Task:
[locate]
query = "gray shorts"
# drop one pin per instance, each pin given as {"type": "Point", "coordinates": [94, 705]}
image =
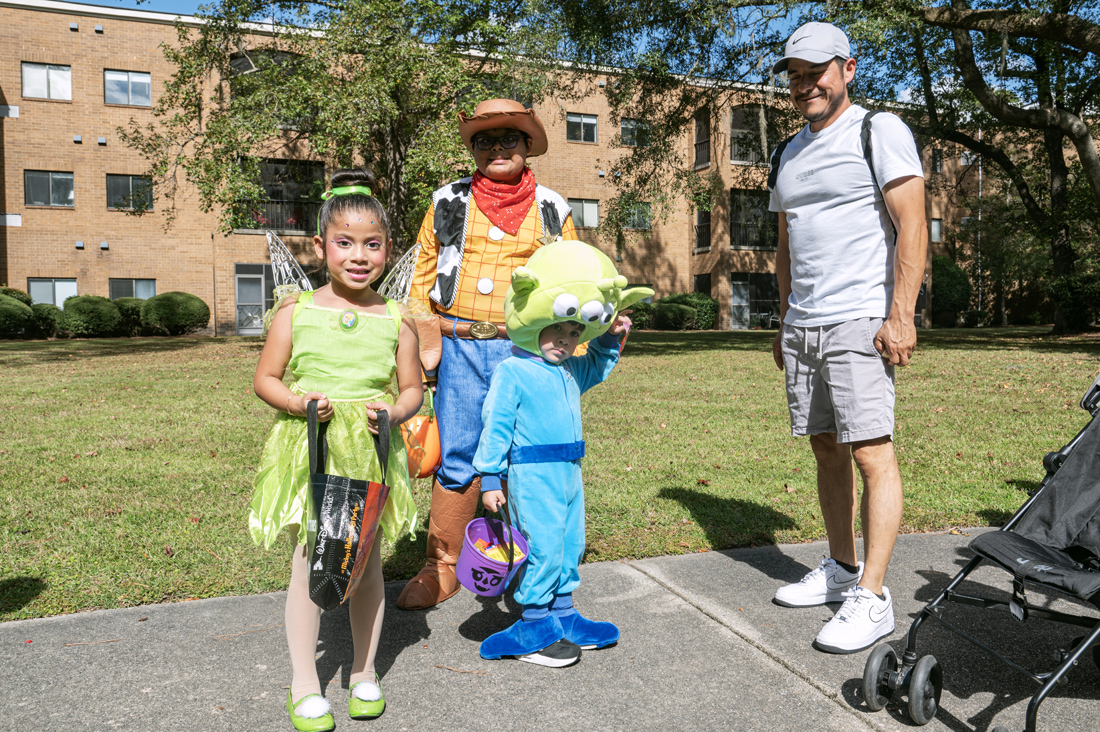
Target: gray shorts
{"type": "Point", "coordinates": [837, 381]}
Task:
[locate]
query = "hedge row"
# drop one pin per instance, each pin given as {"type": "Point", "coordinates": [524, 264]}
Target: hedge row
{"type": "Point", "coordinates": [92, 316]}
{"type": "Point", "coordinates": [686, 311]}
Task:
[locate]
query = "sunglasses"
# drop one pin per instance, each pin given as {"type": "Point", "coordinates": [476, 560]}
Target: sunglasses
{"type": "Point", "coordinates": [487, 142]}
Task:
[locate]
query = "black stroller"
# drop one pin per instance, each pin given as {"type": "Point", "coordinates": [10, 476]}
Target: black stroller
{"type": "Point", "coordinates": [1052, 542]}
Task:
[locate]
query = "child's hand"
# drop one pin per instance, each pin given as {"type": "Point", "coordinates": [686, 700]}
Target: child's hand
{"type": "Point", "coordinates": [325, 409]}
{"type": "Point", "coordinates": [493, 500]}
{"type": "Point", "coordinates": [621, 324]}
{"type": "Point", "coordinates": [372, 415]}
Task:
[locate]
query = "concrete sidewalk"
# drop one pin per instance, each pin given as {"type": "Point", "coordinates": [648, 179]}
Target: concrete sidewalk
{"type": "Point", "coordinates": [703, 648]}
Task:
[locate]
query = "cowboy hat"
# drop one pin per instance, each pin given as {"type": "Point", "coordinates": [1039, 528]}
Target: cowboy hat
{"type": "Point", "coordinates": [503, 114]}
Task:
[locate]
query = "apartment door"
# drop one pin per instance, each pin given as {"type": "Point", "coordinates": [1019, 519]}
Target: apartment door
{"type": "Point", "coordinates": [739, 301]}
{"type": "Point", "coordinates": [255, 296]}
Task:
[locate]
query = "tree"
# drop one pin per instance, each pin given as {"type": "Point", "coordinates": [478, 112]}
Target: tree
{"type": "Point", "coordinates": [1014, 82]}
{"type": "Point", "coordinates": [357, 82]}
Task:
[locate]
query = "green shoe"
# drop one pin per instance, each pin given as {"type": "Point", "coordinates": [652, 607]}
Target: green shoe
{"type": "Point", "coordinates": [322, 723]}
{"type": "Point", "coordinates": [366, 708]}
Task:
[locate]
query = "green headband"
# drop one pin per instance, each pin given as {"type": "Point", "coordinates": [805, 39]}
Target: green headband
{"type": "Point", "coordinates": [341, 191]}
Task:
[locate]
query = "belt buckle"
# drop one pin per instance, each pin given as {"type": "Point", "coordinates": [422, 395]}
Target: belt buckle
{"type": "Point", "coordinates": [484, 330]}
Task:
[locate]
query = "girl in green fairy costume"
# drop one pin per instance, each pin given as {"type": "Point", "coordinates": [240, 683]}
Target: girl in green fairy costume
{"type": "Point", "coordinates": [343, 344]}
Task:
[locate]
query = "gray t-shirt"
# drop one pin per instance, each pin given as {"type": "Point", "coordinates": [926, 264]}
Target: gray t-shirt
{"type": "Point", "coordinates": [841, 238]}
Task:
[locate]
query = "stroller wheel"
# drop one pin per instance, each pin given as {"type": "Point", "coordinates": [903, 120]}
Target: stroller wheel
{"type": "Point", "coordinates": [925, 685]}
{"type": "Point", "coordinates": [876, 690]}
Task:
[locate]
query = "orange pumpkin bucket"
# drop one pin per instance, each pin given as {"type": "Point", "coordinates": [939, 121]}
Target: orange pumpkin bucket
{"type": "Point", "coordinates": [421, 435]}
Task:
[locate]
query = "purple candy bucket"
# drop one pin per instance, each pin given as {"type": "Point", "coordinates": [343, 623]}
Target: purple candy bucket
{"type": "Point", "coordinates": [478, 573]}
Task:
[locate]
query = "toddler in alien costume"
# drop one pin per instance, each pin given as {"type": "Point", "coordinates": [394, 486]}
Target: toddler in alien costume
{"type": "Point", "coordinates": [567, 293]}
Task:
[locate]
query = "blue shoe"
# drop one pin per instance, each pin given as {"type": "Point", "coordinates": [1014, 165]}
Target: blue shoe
{"type": "Point", "coordinates": [524, 637]}
{"type": "Point", "coordinates": [588, 634]}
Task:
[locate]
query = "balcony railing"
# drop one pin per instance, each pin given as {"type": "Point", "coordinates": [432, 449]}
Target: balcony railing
{"type": "Point", "coordinates": [702, 236]}
{"type": "Point", "coordinates": [753, 236]}
{"type": "Point", "coordinates": [702, 153]}
{"type": "Point", "coordinates": [280, 215]}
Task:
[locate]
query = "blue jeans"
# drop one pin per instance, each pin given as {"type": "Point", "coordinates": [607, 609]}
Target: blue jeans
{"type": "Point", "coordinates": [462, 382]}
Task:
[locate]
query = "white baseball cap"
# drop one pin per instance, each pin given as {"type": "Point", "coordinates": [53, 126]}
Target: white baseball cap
{"type": "Point", "coordinates": [816, 43]}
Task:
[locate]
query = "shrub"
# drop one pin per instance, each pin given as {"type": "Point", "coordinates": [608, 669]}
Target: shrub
{"type": "Point", "coordinates": [1078, 299]}
{"type": "Point", "coordinates": [174, 313]}
{"type": "Point", "coordinates": [673, 316]}
{"type": "Point", "coordinates": [90, 316]}
{"type": "Point", "coordinates": [130, 310]}
{"type": "Point", "coordinates": [706, 308]}
{"type": "Point", "coordinates": [950, 286]}
{"type": "Point", "coordinates": [641, 315]}
{"type": "Point", "coordinates": [17, 294]}
{"type": "Point", "coordinates": [15, 316]}
{"type": "Point", "coordinates": [44, 321]}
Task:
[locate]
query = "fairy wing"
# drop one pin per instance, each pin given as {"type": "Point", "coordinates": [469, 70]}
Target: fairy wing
{"type": "Point", "coordinates": [398, 282]}
{"type": "Point", "coordinates": [290, 279]}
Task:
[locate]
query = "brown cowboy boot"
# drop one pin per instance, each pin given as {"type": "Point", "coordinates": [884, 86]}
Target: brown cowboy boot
{"type": "Point", "coordinates": [450, 512]}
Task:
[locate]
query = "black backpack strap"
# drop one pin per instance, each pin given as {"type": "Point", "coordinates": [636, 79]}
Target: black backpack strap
{"type": "Point", "coordinates": [865, 139]}
{"type": "Point", "coordinates": [777, 154]}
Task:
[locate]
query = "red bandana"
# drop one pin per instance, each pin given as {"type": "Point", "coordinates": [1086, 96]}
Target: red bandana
{"type": "Point", "coordinates": [506, 204]}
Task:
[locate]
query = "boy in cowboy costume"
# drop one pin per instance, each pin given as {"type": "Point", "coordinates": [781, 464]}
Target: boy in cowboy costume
{"type": "Point", "coordinates": [476, 232]}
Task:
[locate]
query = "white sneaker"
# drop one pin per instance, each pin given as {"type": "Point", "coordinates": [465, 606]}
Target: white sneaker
{"type": "Point", "coordinates": [862, 620]}
{"type": "Point", "coordinates": [828, 583]}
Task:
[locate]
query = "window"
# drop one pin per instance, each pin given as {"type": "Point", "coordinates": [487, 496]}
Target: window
{"type": "Point", "coordinates": [752, 225]}
{"type": "Point", "coordinates": [134, 88]}
{"type": "Point", "coordinates": [586, 212]}
{"type": "Point", "coordinates": [936, 230]}
{"type": "Point", "coordinates": [967, 157]}
{"type": "Point", "coordinates": [702, 230]}
{"type": "Point", "coordinates": [47, 81]}
{"type": "Point", "coordinates": [51, 290]}
{"type": "Point", "coordinates": [129, 192]}
{"type": "Point", "coordinates": [46, 188]}
{"type": "Point", "coordinates": [292, 191]}
{"type": "Point", "coordinates": [702, 138]}
{"type": "Point", "coordinates": [580, 127]}
{"type": "Point", "coordinates": [937, 160]}
{"type": "Point", "coordinates": [702, 283]}
{"type": "Point", "coordinates": [964, 222]}
{"type": "Point", "coordinates": [142, 289]}
{"type": "Point", "coordinates": [754, 300]}
{"type": "Point", "coordinates": [750, 142]}
{"type": "Point", "coordinates": [635, 133]}
{"type": "Point", "coordinates": [638, 217]}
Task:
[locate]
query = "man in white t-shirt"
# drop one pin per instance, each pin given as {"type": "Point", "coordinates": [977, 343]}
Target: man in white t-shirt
{"type": "Point", "coordinates": [851, 256]}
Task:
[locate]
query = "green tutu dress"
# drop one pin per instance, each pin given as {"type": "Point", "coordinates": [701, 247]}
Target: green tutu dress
{"type": "Point", "coordinates": [348, 356]}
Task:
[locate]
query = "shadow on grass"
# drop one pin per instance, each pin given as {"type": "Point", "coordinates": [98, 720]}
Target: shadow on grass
{"type": "Point", "coordinates": [16, 592]}
{"type": "Point", "coordinates": [33, 352]}
{"type": "Point", "coordinates": [732, 523]}
{"type": "Point", "coordinates": [1023, 338]}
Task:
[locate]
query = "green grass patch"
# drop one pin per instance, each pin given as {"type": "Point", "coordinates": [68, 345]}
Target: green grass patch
{"type": "Point", "coordinates": [126, 465]}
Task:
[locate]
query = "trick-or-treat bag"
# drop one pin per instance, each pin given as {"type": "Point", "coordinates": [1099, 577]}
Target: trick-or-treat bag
{"type": "Point", "coordinates": [343, 516]}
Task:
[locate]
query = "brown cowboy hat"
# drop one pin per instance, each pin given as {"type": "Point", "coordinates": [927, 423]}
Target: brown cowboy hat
{"type": "Point", "coordinates": [503, 113]}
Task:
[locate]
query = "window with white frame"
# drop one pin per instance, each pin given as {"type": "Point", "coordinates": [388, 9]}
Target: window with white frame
{"type": "Point", "coordinates": [129, 192]}
{"type": "Point", "coordinates": [126, 287]}
{"type": "Point", "coordinates": [47, 81]}
{"type": "Point", "coordinates": [580, 127]}
{"type": "Point", "coordinates": [635, 133]}
{"type": "Point", "coordinates": [752, 225]}
{"type": "Point", "coordinates": [702, 138]}
{"type": "Point", "coordinates": [751, 137]}
{"type": "Point", "coordinates": [935, 233]}
{"type": "Point", "coordinates": [51, 290]}
{"type": "Point", "coordinates": [638, 217]}
{"type": "Point", "coordinates": [702, 230]}
{"type": "Point", "coordinates": [586, 212]}
{"type": "Point", "coordinates": [968, 157]}
{"type": "Point", "coordinates": [133, 88]}
{"type": "Point", "coordinates": [48, 188]}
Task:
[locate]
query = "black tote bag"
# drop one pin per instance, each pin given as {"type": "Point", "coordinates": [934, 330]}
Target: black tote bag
{"type": "Point", "coordinates": [343, 516]}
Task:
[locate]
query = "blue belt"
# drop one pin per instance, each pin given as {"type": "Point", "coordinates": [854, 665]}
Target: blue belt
{"type": "Point", "coordinates": [563, 453]}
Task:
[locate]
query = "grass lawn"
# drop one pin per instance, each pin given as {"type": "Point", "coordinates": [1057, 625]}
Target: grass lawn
{"type": "Point", "coordinates": [126, 465]}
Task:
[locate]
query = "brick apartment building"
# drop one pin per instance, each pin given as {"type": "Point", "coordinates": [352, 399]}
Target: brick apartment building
{"type": "Point", "coordinates": [71, 74]}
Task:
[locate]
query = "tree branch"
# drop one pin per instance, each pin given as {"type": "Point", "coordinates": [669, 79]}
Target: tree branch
{"type": "Point", "coordinates": [1072, 30]}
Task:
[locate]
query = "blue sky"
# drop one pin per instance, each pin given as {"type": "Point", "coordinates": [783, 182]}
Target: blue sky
{"type": "Point", "coordinates": [181, 7]}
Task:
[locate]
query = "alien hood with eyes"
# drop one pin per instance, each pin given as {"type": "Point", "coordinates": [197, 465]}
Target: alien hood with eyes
{"type": "Point", "coordinates": [566, 281]}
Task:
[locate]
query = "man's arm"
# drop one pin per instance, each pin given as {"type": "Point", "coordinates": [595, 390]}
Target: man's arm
{"type": "Point", "coordinates": [904, 199]}
{"type": "Point", "coordinates": [783, 275]}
